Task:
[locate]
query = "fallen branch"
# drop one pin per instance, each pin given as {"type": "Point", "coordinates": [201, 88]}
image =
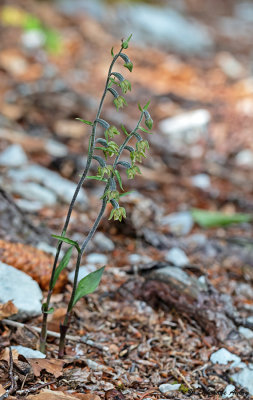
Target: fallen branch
{"type": "Point", "coordinates": [79, 339]}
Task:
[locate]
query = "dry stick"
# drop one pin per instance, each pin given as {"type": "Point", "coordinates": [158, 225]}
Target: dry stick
{"type": "Point", "coordinates": [33, 389]}
{"type": "Point", "coordinates": [65, 227]}
{"type": "Point", "coordinates": [12, 378]}
{"type": "Point", "coordinates": [83, 339]}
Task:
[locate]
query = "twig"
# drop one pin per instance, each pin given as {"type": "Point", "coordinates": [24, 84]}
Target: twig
{"type": "Point", "coordinates": [34, 389]}
{"type": "Point", "coordinates": [13, 386]}
{"type": "Point", "coordinates": [79, 339]}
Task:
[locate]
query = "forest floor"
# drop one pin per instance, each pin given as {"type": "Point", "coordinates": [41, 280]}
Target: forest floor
{"type": "Point", "coordinates": [140, 337]}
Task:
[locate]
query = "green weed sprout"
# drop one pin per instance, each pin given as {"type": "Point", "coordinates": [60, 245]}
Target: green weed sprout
{"type": "Point", "coordinates": [106, 153]}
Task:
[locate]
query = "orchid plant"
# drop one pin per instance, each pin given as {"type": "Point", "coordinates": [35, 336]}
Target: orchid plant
{"type": "Point", "coordinates": [107, 154]}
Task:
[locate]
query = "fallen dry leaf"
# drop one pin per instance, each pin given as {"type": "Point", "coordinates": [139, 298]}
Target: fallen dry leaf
{"type": "Point", "coordinates": [114, 394]}
{"type": "Point", "coordinates": [52, 366]}
{"type": "Point", "coordinates": [2, 390]}
{"type": "Point", "coordinates": [47, 394]}
{"type": "Point", "coordinates": [7, 309]}
{"type": "Point", "coordinates": [5, 354]}
{"type": "Point", "coordinates": [87, 396]}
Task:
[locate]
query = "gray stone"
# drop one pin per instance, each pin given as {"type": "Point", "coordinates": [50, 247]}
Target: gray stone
{"type": "Point", "coordinates": [187, 128]}
{"type": "Point", "coordinates": [246, 332]}
{"type": "Point", "coordinates": [34, 192]}
{"type": "Point", "coordinates": [224, 357]}
{"type": "Point", "coordinates": [197, 239]}
{"type": "Point", "coordinates": [13, 156]}
{"type": "Point", "coordinates": [228, 392]}
{"type": "Point", "coordinates": [63, 188]}
{"type": "Point", "coordinates": [28, 205]}
{"type": "Point", "coordinates": [244, 158]}
{"type": "Point", "coordinates": [96, 258]}
{"type": "Point", "coordinates": [168, 387]}
{"type": "Point", "coordinates": [22, 290]}
{"type": "Point", "coordinates": [83, 271]}
{"type": "Point", "coordinates": [244, 11]}
{"type": "Point", "coordinates": [56, 149]}
{"type": "Point", "coordinates": [162, 26]}
{"type": "Point", "coordinates": [177, 257]}
{"type": "Point", "coordinates": [180, 223]}
{"type": "Point", "coordinates": [28, 353]}
{"type": "Point", "coordinates": [33, 39]}
{"type": "Point", "coordinates": [137, 259]}
{"type": "Point", "coordinates": [201, 181]}
{"type": "Point", "coordinates": [102, 242]}
{"type": "Point", "coordinates": [244, 378]}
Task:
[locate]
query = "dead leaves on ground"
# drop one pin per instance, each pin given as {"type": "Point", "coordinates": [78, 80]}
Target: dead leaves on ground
{"type": "Point", "coordinates": [7, 309]}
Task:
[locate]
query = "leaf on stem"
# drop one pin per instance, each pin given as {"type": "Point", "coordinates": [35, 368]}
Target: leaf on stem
{"type": "Point", "coordinates": [45, 310]}
{"type": "Point", "coordinates": [117, 174]}
{"type": "Point", "coordinates": [146, 105]}
{"type": "Point", "coordinates": [112, 53]}
{"type": "Point", "coordinates": [63, 264]}
{"type": "Point", "coordinates": [85, 122]}
{"type": "Point", "coordinates": [97, 178]}
{"type": "Point", "coordinates": [88, 284]}
{"type": "Point", "coordinates": [69, 241]}
{"type": "Point", "coordinates": [145, 130]}
{"type": "Point", "coordinates": [210, 219]}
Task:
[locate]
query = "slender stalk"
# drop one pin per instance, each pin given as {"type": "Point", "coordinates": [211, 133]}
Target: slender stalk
{"type": "Point", "coordinates": [71, 206]}
{"type": "Point", "coordinates": [64, 326]}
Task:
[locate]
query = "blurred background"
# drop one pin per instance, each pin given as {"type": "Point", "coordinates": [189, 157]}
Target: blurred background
{"type": "Point", "coordinates": [192, 59]}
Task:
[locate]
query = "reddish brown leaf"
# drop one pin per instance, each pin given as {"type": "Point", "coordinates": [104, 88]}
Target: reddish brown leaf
{"type": "Point", "coordinates": [7, 309]}
{"type": "Point", "coordinates": [114, 394]}
{"type": "Point", "coordinates": [53, 366]}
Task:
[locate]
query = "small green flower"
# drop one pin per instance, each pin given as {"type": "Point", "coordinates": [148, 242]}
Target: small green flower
{"type": "Point", "coordinates": [104, 171]}
{"type": "Point", "coordinates": [129, 66]}
{"type": "Point", "coordinates": [111, 195]}
{"type": "Point", "coordinates": [125, 86]}
{"type": "Point", "coordinates": [119, 102]}
{"type": "Point", "coordinates": [148, 120]}
{"type": "Point", "coordinates": [137, 156]}
{"type": "Point", "coordinates": [131, 172]}
{"type": "Point", "coordinates": [118, 213]}
{"type": "Point", "coordinates": [111, 132]}
{"type": "Point", "coordinates": [142, 145]}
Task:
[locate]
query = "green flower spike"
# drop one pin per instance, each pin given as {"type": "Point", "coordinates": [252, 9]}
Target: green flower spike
{"type": "Point", "coordinates": [129, 66]}
{"type": "Point", "coordinates": [111, 195]}
{"type": "Point", "coordinates": [119, 102]}
{"type": "Point", "coordinates": [117, 214]}
{"type": "Point", "coordinates": [148, 120]}
{"type": "Point", "coordinates": [142, 145]}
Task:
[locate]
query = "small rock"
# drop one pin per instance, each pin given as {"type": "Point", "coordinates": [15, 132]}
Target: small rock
{"type": "Point", "coordinates": [250, 320]}
{"type": "Point", "coordinates": [83, 271]}
{"type": "Point", "coordinates": [137, 259]}
{"type": "Point", "coordinates": [13, 156]}
{"type": "Point", "coordinates": [34, 192]}
{"type": "Point", "coordinates": [201, 181]}
{"type": "Point", "coordinates": [63, 188]}
{"type": "Point", "coordinates": [244, 378]}
{"type": "Point", "coordinates": [187, 128]}
{"type": "Point", "coordinates": [96, 258]}
{"type": "Point", "coordinates": [230, 65]}
{"type": "Point", "coordinates": [103, 242]}
{"type": "Point", "coordinates": [56, 149]}
{"type": "Point", "coordinates": [28, 205]}
{"type": "Point", "coordinates": [197, 239]}
{"type": "Point", "coordinates": [244, 158]}
{"type": "Point", "coordinates": [246, 332]}
{"type": "Point", "coordinates": [180, 223]}
{"type": "Point", "coordinates": [167, 387]}
{"type": "Point", "coordinates": [177, 257]}
{"type": "Point", "coordinates": [228, 392]}
{"type": "Point", "coordinates": [22, 290]}
{"type": "Point", "coordinates": [28, 353]}
{"type": "Point", "coordinates": [223, 356]}
{"type": "Point", "coordinates": [33, 39]}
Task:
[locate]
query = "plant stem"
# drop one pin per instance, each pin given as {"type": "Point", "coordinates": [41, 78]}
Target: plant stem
{"type": "Point", "coordinates": [65, 325]}
{"type": "Point", "coordinates": [43, 336]}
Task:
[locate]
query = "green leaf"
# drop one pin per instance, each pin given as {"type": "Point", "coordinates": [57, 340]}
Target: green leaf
{"type": "Point", "coordinates": [63, 264]}
{"type": "Point", "coordinates": [97, 178]}
{"type": "Point", "coordinates": [117, 174]}
{"type": "Point", "coordinates": [69, 241]}
{"type": "Point", "coordinates": [124, 130]}
{"type": "Point", "coordinates": [84, 121]}
{"type": "Point", "coordinates": [145, 130]}
{"type": "Point", "coordinates": [126, 193]}
{"type": "Point", "coordinates": [101, 148]}
{"type": "Point", "coordinates": [112, 53]}
{"type": "Point", "coordinates": [45, 310]}
{"type": "Point", "coordinates": [146, 106]}
{"type": "Point", "coordinates": [139, 106]}
{"type": "Point", "coordinates": [210, 219]}
{"type": "Point", "coordinates": [88, 284]}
